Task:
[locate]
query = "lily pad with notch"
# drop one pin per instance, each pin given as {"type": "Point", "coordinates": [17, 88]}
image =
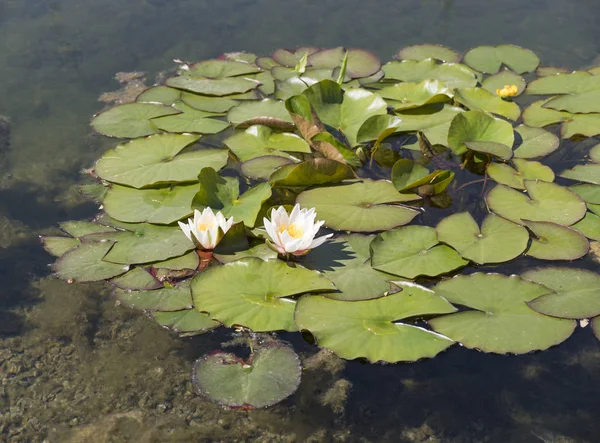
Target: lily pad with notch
{"type": "Point", "coordinates": [131, 120]}
{"type": "Point", "coordinates": [479, 99]}
{"type": "Point", "coordinates": [407, 95]}
{"type": "Point", "coordinates": [453, 75]}
{"type": "Point", "coordinates": [523, 170]}
{"type": "Point", "coordinates": [588, 173]}
{"type": "Point", "coordinates": [476, 126]}
{"type": "Point", "coordinates": [503, 78]}
{"type": "Point", "coordinates": [167, 299]}
{"type": "Point", "coordinates": [85, 263]}
{"type": "Point", "coordinates": [534, 142]}
{"type": "Point", "coordinates": [267, 112]}
{"type": "Point", "coordinates": [317, 171]}
{"type": "Point", "coordinates": [572, 124]}
{"type": "Point", "coordinates": [556, 242]}
{"type": "Point", "coordinates": [261, 168]}
{"type": "Point", "coordinates": [589, 226]}
{"type": "Point", "coordinates": [489, 59]}
{"type": "Point", "coordinates": [425, 51]}
{"type": "Point", "coordinates": [258, 141]}
{"type": "Point", "coordinates": [186, 322]}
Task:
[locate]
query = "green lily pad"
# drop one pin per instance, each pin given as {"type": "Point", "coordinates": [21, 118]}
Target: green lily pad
{"type": "Point", "coordinates": [266, 112]}
{"type": "Point", "coordinates": [405, 172]}
{"type": "Point", "coordinates": [588, 173]}
{"type": "Point", "coordinates": [489, 59]}
{"type": "Point", "coordinates": [365, 206]}
{"type": "Point", "coordinates": [288, 58]}
{"type": "Point", "coordinates": [213, 87]}
{"type": "Point", "coordinates": [545, 71]}
{"type": "Point", "coordinates": [428, 117]}
{"type": "Point", "coordinates": [524, 170]}
{"type": "Point", "coordinates": [545, 202]}
{"type": "Point", "coordinates": [595, 154]}
{"type": "Point", "coordinates": [360, 63]}
{"type": "Point", "coordinates": [130, 120]}
{"type": "Point", "coordinates": [378, 128]}
{"type": "Point", "coordinates": [344, 111]}
{"type": "Point", "coordinates": [271, 374]}
{"type": "Point", "coordinates": [497, 241]}
{"type": "Point", "coordinates": [166, 299]}
{"type": "Point", "coordinates": [189, 260]}
{"type": "Point", "coordinates": [80, 228]}
{"type": "Point", "coordinates": [503, 78]}
{"type": "Point", "coordinates": [584, 102]}
{"type": "Point", "coordinates": [572, 124]}
{"type": "Point", "coordinates": [190, 120]}
{"type": "Point", "coordinates": [258, 141]}
{"type": "Point", "coordinates": [500, 318]}
{"type": "Point", "coordinates": [569, 83]}
{"type": "Point", "coordinates": [162, 205]}
{"type": "Point", "coordinates": [534, 142]}
{"type": "Point", "coordinates": [371, 329]}
{"type": "Point", "coordinates": [347, 263]}
{"type": "Point", "coordinates": [262, 251]}
{"type": "Point", "coordinates": [313, 172]}
{"type": "Point", "coordinates": [575, 292]}
{"type": "Point", "coordinates": [84, 263]}
{"type": "Point", "coordinates": [589, 193]}
{"type": "Point", "coordinates": [453, 75]}
{"type": "Point", "coordinates": [207, 103]}
{"type": "Point", "coordinates": [136, 279]}
{"type": "Point", "coordinates": [476, 126]}
{"type": "Point", "coordinates": [261, 168]}
{"type": "Point", "coordinates": [556, 242]}
{"type": "Point", "coordinates": [411, 251]}
{"type": "Point", "coordinates": [223, 194]}
{"type": "Point", "coordinates": [186, 322]}
{"type": "Point", "coordinates": [425, 51]}
{"type": "Point", "coordinates": [408, 95]}
{"type": "Point", "coordinates": [330, 147]}
{"type": "Point", "coordinates": [58, 246]}
{"type": "Point", "coordinates": [251, 292]}
{"type": "Point", "coordinates": [478, 99]}
{"type": "Point", "coordinates": [157, 160]}
{"type": "Point", "coordinates": [160, 94]}
{"type": "Point", "coordinates": [221, 69]}
{"type": "Point", "coordinates": [491, 148]}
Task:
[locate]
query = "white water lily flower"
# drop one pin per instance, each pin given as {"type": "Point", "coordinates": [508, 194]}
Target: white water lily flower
{"type": "Point", "coordinates": [294, 234]}
{"type": "Point", "coordinates": [206, 229]}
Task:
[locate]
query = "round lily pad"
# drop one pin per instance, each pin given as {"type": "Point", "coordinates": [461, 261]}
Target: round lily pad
{"type": "Point", "coordinates": [489, 59]}
{"type": "Point", "coordinates": [261, 168]}
{"type": "Point", "coordinates": [215, 87]}
{"type": "Point", "coordinates": [221, 68]}
{"type": "Point", "coordinates": [359, 63]}
{"type": "Point", "coordinates": [265, 112]}
{"type": "Point", "coordinates": [159, 94]}
{"type": "Point", "coordinates": [408, 95]}
{"type": "Point", "coordinates": [271, 374]}
{"type": "Point", "coordinates": [365, 206]}
{"type": "Point", "coordinates": [497, 241]}
{"type": "Point", "coordinates": [500, 322]}
{"type": "Point", "coordinates": [575, 292]}
{"type": "Point", "coordinates": [58, 246]}
{"type": "Point", "coordinates": [556, 242]}
{"type": "Point", "coordinates": [524, 170]}
{"type": "Point", "coordinates": [495, 149]}
{"type": "Point", "coordinates": [258, 141]}
{"type": "Point", "coordinates": [479, 99]}
{"type": "Point", "coordinates": [425, 51]}
{"type": "Point", "coordinates": [157, 160]}
{"type": "Point", "coordinates": [476, 126]}
{"type": "Point", "coordinates": [84, 263]}
{"type": "Point", "coordinates": [186, 321]}
{"type": "Point", "coordinates": [589, 226]}
{"type": "Point", "coordinates": [162, 205]}
{"type": "Point", "coordinates": [166, 299]}
{"type": "Point", "coordinates": [411, 251]}
{"type": "Point", "coordinates": [503, 78]}
{"type": "Point", "coordinates": [584, 102]}
{"type": "Point", "coordinates": [453, 75]}
{"type": "Point", "coordinates": [572, 124]}
{"type": "Point", "coordinates": [595, 154]}
{"type": "Point", "coordinates": [251, 292]}
{"type": "Point", "coordinates": [589, 193]}
{"type": "Point", "coordinates": [534, 142]}
{"type": "Point", "coordinates": [372, 329]}
{"type": "Point", "coordinates": [131, 120]}
{"type": "Point", "coordinates": [588, 173]}
{"type": "Point", "coordinates": [190, 120]}
{"type": "Point", "coordinates": [316, 171]}
{"type": "Point", "coordinates": [565, 83]}
{"type": "Point", "coordinates": [137, 279]}
{"type": "Point", "coordinates": [543, 202]}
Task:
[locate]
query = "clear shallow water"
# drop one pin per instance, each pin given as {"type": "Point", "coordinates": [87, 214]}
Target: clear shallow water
{"type": "Point", "coordinates": [75, 367]}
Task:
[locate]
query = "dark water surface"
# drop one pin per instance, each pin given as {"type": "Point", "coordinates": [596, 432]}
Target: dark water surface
{"type": "Point", "coordinates": [76, 368]}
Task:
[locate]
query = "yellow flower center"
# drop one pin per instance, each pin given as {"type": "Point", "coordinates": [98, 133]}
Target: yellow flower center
{"type": "Point", "coordinates": [294, 230]}
{"type": "Point", "coordinates": [204, 226]}
{"type": "Point", "coordinates": [508, 91]}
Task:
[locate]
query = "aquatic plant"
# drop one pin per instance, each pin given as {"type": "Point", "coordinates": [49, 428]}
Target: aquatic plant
{"type": "Point", "coordinates": [422, 170]}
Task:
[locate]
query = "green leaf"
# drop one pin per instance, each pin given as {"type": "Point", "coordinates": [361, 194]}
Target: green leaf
{"type": "Point", "coordinates": [411, 251]}
{"type": "Point", "coordinates": [365, 206]}
{"type": "Point", "coordinates": [501, 321]}
{"type": "Point", "coordinates": [130, 120]}
{"type": "Point", "coordinates": [58, 246]}
{"type": "Point", "coordinates": [568, 83]}
{"type": "Point", "coordinates": [478, 99]}
{"type": "Point", "coordinates": [265, 112]}
{"type": "Point", "coordinates": [489, 59]}
{"type": "Point", "coordinates": [84, 263]}
{"type": "Point", "coordinates": [584, 102]}
{"type": "Point", "coordinates": [572, 124]}
{"type": "Point", "coordinates": [261, 168]}
{"type": "Point", "coordinates": [575, 292]}
{"type": "Point", "coordinates": [78, 228]}
{"type": "Point", "coordinates": [589, 226]}
{"type": "Point", "coordinates": [428, 117]}
{"type": "Point", "coordinates": [503, 78]}
{"type": "Point", "coordinates": [221, 69]}
{"type": "Point", "coordinates": [556, 242]}
{"type": "Point", "coordinates": [313, 172]}
{"type": "Point", "coordinates": [405, 172]}
{"type": "Point", "coordinates": [589, 193]}
{"type": "Point", "coordinates": [186, 322]}
{"type": "Point", "coordinates": [157, 160]}
{"type": "Point", "coordinates": [214, 87]}
{"type": "Point", "coordinates": [525, 170]}
{"type": "Point", "coordinates": [408, 95]}
{"type": "Point", "coordinates": [162, 206]}
{"type": "Point", "coordinates": [271, 374]}
{"type": "Point", "coordinates": [262, 251]}
{"type": "Point", "coordinates": [588, 173]}
{"type": "Point", "coordinates": [371, 329]}
{"type": "Point", "coordinates": [160, 94]}
{"type": "Point", "coordinates": [378, 128]}
{"type": "Point", "coordinates": [476, 126]}
{"type": "Point", "coordinates": [190, 120]}
{"type": "Point", "coordinates": [491, 148]}
{"type": "Point", "coordinates": [360, 63]}
{"type": "Point", "coordinates": [258, 141]}
{"type": "Point", "coordinates": [136, 279]}
{"type": "Point", "coordinates": [175, 298]}
{"type": "Point", "coordinates": [185, 261]}
{"type": "Point", "coordinates": [207, 103]}
{"type": "Point", "coordinates": [250, 292]}
{"type": "Point", "coordinates": [595, 154]}
{"type": "Point", "coordinates": [453, 75]}
{"type": "Point", "coordinates": [425, 51]}
{"type": "Point", "coordinates": [544, 202]}
{"type": "Point", "coordinates": [332, 148]}
{"type": "Point", "coordinates": [497, 241]}
{"type": "Point", "coordinates": [534, 142]}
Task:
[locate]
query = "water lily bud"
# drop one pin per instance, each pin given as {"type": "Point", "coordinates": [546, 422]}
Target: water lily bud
{"type": "Point", "coordinates": [206, 229]}
{"type": "Point", "coordinates": [294, 234]}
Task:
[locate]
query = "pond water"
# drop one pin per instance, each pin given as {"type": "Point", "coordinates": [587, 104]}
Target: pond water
{"type": "Point", "coordinates": [76, 367]}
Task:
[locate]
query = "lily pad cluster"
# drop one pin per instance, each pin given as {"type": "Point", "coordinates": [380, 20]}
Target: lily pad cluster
{"type": "Point", "coordinates": [424, 168]}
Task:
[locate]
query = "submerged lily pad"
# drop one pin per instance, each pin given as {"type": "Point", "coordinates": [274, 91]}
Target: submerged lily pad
{"type": "Point", "coordinates": [544, 202]}
{"type": "Point", "coordinates": [131, 120]}
{"type": "Point", "coordinates": [84, 263]}
{"type": "Point", "coordinates": [258, 141]}
{"type": "Point", "coordinates": [136, 279]}
{"type": "Point", "coordinates": [489, 59]}
{"type": "Point", "coordinates": [371, 328]}
{"type": "Point", "coordinates": [186, 322]}
{"type": "Point", "coordinates": [365, 206]}
{"type": "Point", "coordinates": [589, 173]}
{"type": "Point", "coordinates": [411, 251]}
{"type": "Point", "coordinates": [476, 126]}
{"type": "Point", "coordinates": [500, 317]}
{"type": "Point", "coordinates": [271, 374]}
{"type": "Point", "coordinates": [453, 75]}
{"type": "Point", "coordinates": [534, 142]}
{"type": "Point", "coordinates": [497, 241]}
{"type": "Point", "coordinates": [556, 242]}
{"type": "Point", "coordinates": [251, 292]}
{"type": "Point", "coordinates": [575, 292]}
{"type": "Point", "coordinates": [156, 160]}
{"type": "Point", "coordinates": [425, 51]}
{"type": "Point", "coordinates": [524, 170]}
{"type": "Point", "coordinates": [478, 99]}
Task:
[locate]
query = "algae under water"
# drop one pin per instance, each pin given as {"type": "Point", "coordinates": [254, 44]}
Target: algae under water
{"type": "Point", "coordinates": [77, 368]}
